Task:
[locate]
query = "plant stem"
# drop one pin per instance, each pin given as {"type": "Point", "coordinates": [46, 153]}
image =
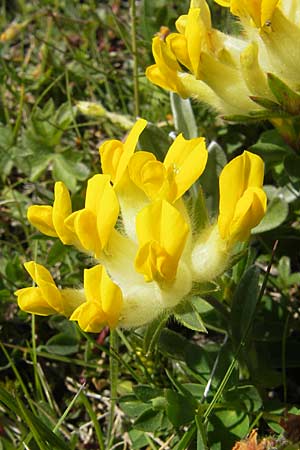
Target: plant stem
{"type": "Point", "coordinates": [114, 369]}
{"type": "Point", "coordinates": [135, 58]}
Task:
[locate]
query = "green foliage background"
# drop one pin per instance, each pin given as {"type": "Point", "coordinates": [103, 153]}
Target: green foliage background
{"type": "Point", "coordinates": [172, 385]}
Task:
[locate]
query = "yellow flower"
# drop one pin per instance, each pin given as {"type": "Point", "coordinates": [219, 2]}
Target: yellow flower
{"type": "Point", "coordinates": [165, 71]}
{"type": "Point", "coordinates": [242, 205]}
{"type": "Point", "coordinates": [242, 199]}
{"type": "Point", "coordinates": [162, 233]}
{"type": "Point", "coordinates": [182, 166]}
{"type": "Point", "coordinates": [50, 220]}
{"type": "Point", "coordinates": [103, 303]}
{"type": "Point", "coordinates": [196, 56]}
{"type": "Point", "coordinates": [190, 62]}
{"type": "Point", "coordinates": [260, 11]}
{"type": "Point", "coordinates": [93, 224]}
{"type": "Point", "coordinates": [115, 155]}
{"type": "Point", "coordinates": [148, 265]}
{"type": "Point", "coordinates": [46, 298]}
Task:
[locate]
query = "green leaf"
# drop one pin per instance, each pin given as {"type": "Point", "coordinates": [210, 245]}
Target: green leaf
{"type": "Point", "coordinates": [62, 344]}
{"type": "Point", "coordinates": [39, 163]}
{"type": "Point", "coordinates": [155, 140]}
{"type": "Point", "coordinates": [266, 103]}
{"type": "Point", "coordinates": [201, 434]}
{"type": "Point", "coordinates": [248, 395]}
{"type": "Point", "coordinates": [183, 114]}
{"type": "Point", "coordinates": [152, 333]}
{"type": "Point", "coordinates": [292, 166]}
{"type": "Point", "coordinates": [244, 304]}
{"type": "Point", "coordinates": [62, 171]}
{"type": "Point", "coordinates": [150, 421]}
{"type": "Point", "coordinates": [180, 409]}
{"type": "Point", "coordinates": [133, 407]}
{"type": "Point", "coordinates": [173, 344]}
{"type": "Point", "coordinates": [210, 177]}
{"type": "Point", "coordinates": [226, 426]}
{"type": "Point", "coordinates": [199, 212]}
{"type": "Point", "coordinates": [188, 316]}
{"type": "Point", "coordinates": [288, 99]}
{"type": "Point", "coordinates": [276, 214]}
{"type": "Point", "coordinates": [146, 393]}
{"type": "Point", "coordinates": [284, 269]}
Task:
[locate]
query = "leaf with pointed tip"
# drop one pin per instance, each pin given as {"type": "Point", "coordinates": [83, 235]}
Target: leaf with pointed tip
{"type": "Point", "coordinates": [288, 99]}
{"type": "Point", "coordinates": [266, 103]}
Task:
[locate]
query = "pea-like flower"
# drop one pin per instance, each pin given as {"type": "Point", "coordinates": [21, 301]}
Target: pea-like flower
{"type": "Point", "coordinates": [228, 72]}
{"type": "Point", "coordinates": [136, 226]}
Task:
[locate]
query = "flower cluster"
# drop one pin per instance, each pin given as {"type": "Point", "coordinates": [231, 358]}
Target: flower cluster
{"type": "Point", "coordinates": [136, 226]}
{"type": "Point", "coordinates": [226, 71]}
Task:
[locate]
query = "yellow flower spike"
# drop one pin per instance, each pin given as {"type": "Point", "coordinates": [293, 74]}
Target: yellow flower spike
{"type": "Point", "coordinates": [93, 225]}
{"type": "Point", "coordinates": [115, 155]}
{"type": "Point", "coordinates": [162, 233]}
{"type": "Point", "coordinates": [242, 200]}
{"type": "Point", "coordinates": [103, 303]}
{"type": "Point", "coordinates": [183, 165]}
{"type": "Point", "coordinates": [50, 220]}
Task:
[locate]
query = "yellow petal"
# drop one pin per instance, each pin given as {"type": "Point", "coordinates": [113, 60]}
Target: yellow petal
{"type": "Point", "coordinates": [43, 278]}
{"type": "Point", "coordinates": [84, 223]}
{"type": "Point", "coordinates": [195, 34]}
{"type": "Point", "coordinates": [186, 159]}
{"type": "Point", "coordinates": [104, 301]}
{"type": "Point", "coordinates": [31, 300]}
{"type": "Point", "coordinates": [149, 175]}
{"type": "Point", "coordinates": [38, 273]}
{"type": "Point", "coordinates": [41, 218]}
{"type": "Point", "coordinates": [165, 72]}
{"type": "Point", "coordinates": [110, 153]}
{"type": "Point", "coordinates": [249, 211]}
{"type": "Point", "coordinates": [62, 208]}
{"type": "Point", "coordinates": [162, 232]}
{"type": "Point", "coordinates": [225, 3]}
{"type": "Point", "coordinates": [111, 299]}
{"type": "Point", "coordinates": [92, 283]}
{"type": "Point", "coordinates": [90, 317]}
{"type": "Point", "coordinates": [267, 10]}
{"type": "Point", "coordinates": [178, 45]}
{"type": "Point", "coordinates": [115, 155]}
{"type": "Point", "coordinates": [238, 175]}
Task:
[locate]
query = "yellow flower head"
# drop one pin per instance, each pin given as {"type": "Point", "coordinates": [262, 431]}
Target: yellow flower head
{"type": "Point", "coordinates": [46, 298]}
{"type": "Point", "coordinates": [103, 303]}
{"type": "Point", "coordinates": [150, 262]}
{"type": "Point", "coordinates": [182, 166]}
{"type": "Point", "coordinates": [242, 199]}
{"type": "Point", "coordinates": [93, 224]}
{"type": "Point", "coordinates": [162, 233]}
